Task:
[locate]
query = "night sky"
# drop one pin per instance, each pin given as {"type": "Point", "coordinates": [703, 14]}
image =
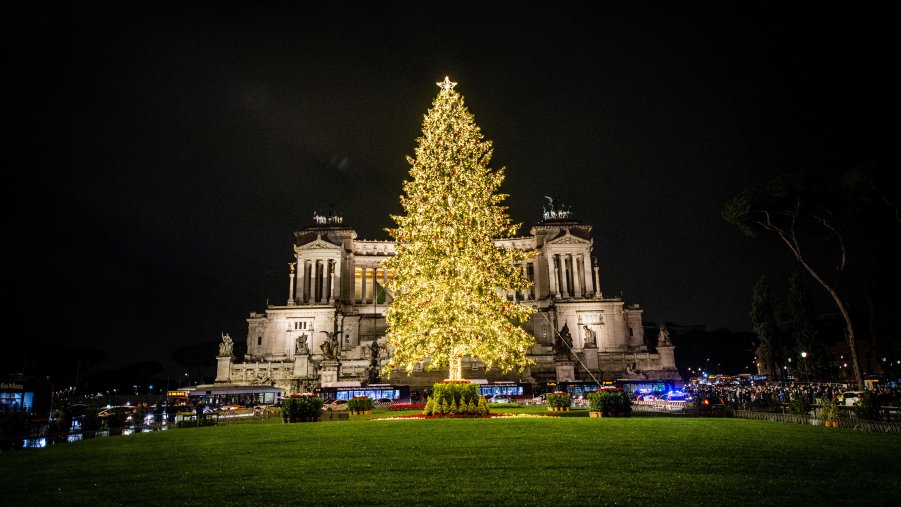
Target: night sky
{"type": "Point", "coordinates": [165, 152]}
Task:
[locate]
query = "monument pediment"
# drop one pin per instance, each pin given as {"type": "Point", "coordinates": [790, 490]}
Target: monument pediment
{"type": "Point", "coordinates": [569, 239]}
{"type": "Point", "coordinates": [319, 244]}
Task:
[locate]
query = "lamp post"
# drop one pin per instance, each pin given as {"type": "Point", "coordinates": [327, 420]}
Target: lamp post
{"type": "Point", "coordinates": [804, 365]}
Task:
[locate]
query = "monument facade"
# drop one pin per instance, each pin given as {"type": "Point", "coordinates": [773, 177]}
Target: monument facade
{"type": "Point", "coordinates": [331, 327]}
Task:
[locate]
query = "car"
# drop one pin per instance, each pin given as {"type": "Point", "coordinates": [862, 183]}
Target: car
{"type": "Point", "coordinates": [501, 399]}
{"type": "Point", "coordinates": [383, 402]}
{"type": "Point", "coordinates": [677, 396]}
{"type": "Point", "coordinates": [335, 405]}
{"type": "Point", "coordinates": [851, 397]}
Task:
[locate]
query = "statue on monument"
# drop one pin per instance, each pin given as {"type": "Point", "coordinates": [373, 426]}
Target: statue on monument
{"type": "Point", "coordinates": [663, 337]}
{"type": "Point", "coordinates": [591, 337]}
{"type": "Point", "coordinates": [330, 346]}
{"type": "Point", "coordinates": [372, 371]}
{"type": "Point", "coordinates": [300, 345]}
{"type": "Point", "coordinates": [564, 343]}
{"type": "Point", "coordinates": [227, 346]}
{"type": "Point", "coordinates": [554, 209]}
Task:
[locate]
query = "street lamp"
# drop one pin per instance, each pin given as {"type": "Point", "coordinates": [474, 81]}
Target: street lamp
{"type": "Point", "coordinates": [804, 365]}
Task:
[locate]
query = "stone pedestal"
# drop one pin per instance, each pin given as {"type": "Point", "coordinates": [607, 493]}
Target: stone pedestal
{"type": "Point", "coordinates": [328, 372]}
{"type": "Point", "coordinates": [590, 357]}
{"type": "Point", "coordinates": [565, 371]}
{"type": "Point", "coordinates": [667, 357]}
{"type": "Point", "coordinates": [223, 368]}
{"type": "Point", "coordinates": [301, 365]}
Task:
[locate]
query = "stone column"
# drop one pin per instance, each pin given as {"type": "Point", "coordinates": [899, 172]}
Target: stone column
{"type": "Point", "coordinates": [311, 281]}
{"type": "Point", "coordinates": [338, 278]}
{"type": "Point", "coordinates": [323, 279]}
{"type": "Point", "coordinates": [309, 273]}
{"type": "Point", "coordinates": [525, 275]}
{"type": "Point", "coordinates": [564, 280]}
{"type": "Point", "coordinates": [298, 281]}
{"type": "Point", "coordinates": [331, 281]}
{"type": "Point", "coordinates": [301, 267]}
{"type": "Point", "coordinates": [363, 270]}
{"type": "Point", "coordinates": [350, 269]}
{"type": "Point", "coordinates": [534, 290]}
{"type": "Point", "coordinates": [291, 285]}
{"type": "Point", "coordinates": [597, 283]}
{"type": "Point", "coordinates": [374, 287]}
{"type": "Point", "coordinates": [552, 275]}
{"type": "Point", "coordinates": [314, 280]}
{"type": "Point", "coordinates": [577, 274]}
{"type": "Point", "coordinates": [586, 276]}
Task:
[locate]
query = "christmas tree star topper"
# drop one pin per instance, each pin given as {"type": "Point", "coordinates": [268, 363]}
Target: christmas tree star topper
{"type": "Point", "coordinates": [447, 84]}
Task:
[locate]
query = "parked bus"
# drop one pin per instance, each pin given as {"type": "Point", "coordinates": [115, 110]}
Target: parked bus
{"type": "Point", "coordinates": [512, 390]}
{"type": "Point", "coordinates": [217, 395]}
{"type": "Point", "coordinates": [395, 393]}
{"type": "Point", "coordinates": [579, 390]}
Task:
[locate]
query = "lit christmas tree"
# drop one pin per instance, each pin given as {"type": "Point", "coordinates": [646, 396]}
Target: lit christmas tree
{"type": "Point", "coordinates": [450, 279]}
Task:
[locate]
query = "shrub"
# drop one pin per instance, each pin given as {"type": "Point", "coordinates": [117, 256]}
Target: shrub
{"type": "Point", "coordinates": [625, 402]}
{"type": "Point", "coordinates": [90, 423]}
{"type": "Point", "coordinates": [455, 397]}
{"type": "Point", "coordinates": [359, 404]}
{"type": "Point", "coordinates": [798, 405]}
{"type": "Point", "coordinates": [868, 406]}
{"type": "Point", "coordinates": [116, 420]}
{"type": "Point", "coordinates": [830, 410]}
{"type": "Point", "coordinates": [609, 401]}
{"type": "Point", "coordinates": [15, 425]}
{"type": "Point", "coordinates": [482, 408]}
{"type": "Point", "coordinates": [558, 399]}
{"type": "Point", "coordinates": [596, 402]}
{"type": "Point", "coordinates": [301, 406]}
{"type": "Point", "coordinates": [60, 425]}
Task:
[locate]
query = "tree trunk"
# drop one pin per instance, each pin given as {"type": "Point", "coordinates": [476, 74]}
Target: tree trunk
{"type": "Point", "coordinates": [849, 327]}
{"type": "Point", "coordinates": [456, 368]}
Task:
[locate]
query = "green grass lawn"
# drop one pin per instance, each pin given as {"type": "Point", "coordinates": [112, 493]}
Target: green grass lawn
{"type": "Point", "coordinates": [521, 461]}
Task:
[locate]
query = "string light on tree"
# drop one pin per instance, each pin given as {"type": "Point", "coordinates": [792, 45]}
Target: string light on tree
{"type": "Point", "coordinates": [450, 279]}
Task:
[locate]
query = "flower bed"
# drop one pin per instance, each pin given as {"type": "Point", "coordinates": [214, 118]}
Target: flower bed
{"type": "Point", "coordinates": [407, 406]}
{"type": "Point", "coordinates": [445, 416]}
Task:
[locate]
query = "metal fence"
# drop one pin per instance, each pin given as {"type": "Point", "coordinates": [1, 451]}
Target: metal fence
{"type": "Point", "coordinates": [846, 420]}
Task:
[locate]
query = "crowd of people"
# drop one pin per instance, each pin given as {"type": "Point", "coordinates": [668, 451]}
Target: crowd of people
{"type": "Point", "coordinates": [767, 394]}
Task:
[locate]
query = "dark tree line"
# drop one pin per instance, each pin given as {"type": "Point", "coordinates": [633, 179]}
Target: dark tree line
{"type": "Point", "coordinates": [844, 233]}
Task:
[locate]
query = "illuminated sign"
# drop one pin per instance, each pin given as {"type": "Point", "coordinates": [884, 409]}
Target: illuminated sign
{"type": "Point", "coordinates": [175, 394]}
{"type": "Point", "coordinates": [12, 386]}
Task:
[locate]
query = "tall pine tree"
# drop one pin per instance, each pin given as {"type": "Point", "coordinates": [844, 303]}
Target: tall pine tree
{"type": "Point", "coordinates": [765, 323]}
{"type": "Point", "coordinates": [450, 279]}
